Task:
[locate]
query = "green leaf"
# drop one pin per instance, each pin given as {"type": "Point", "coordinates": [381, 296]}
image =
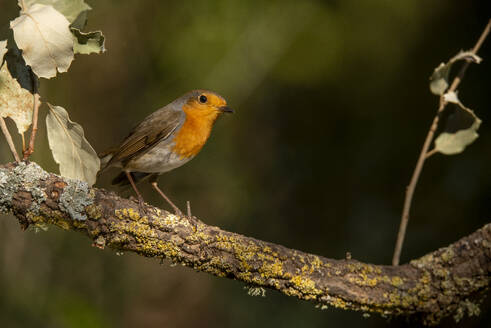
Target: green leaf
{"type": "Point", "coordinates": [439, 78]}
{"type": "Point", "coordinates": [71, 9]}
{"type": "Point", "coordinates": [451, 143]}
{"type": "Point", "coordinates": [76, 157]}
{"type": "Point", "coordinates": [45, 39]}
{"type": "Point", "coordinates": [16, 98]}
{"type": "Point", "coordinates": [87, 43]}
{"type": "Point", "coordinates": [3, 50]}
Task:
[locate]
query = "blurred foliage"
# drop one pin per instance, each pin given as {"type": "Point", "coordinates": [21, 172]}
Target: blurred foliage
{"type": "Point", "coordinates": [332, 106]}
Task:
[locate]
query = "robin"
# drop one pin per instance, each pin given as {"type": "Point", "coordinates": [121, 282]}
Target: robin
{"type": "Point", "coordinates": [166, 139]}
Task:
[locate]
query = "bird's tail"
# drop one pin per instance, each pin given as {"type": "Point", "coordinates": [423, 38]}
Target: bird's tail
{"type": "Point", "coordinates": [105, 157]}
{"type": "Point", "coordinates": [121, 179]}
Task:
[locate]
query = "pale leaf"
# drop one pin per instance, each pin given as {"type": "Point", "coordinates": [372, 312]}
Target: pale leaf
{"type": "Point", "coordinates": [80, 21]}
{"type": "Point", "coordinates": [74, 154]}
{"type": "Point", "coordinates": [452, 98]}
{"type": "Point", "coordinates": [71, 9]}
{"type": "Point", "coordinates": [3, 50]}
{"type": "Point", "coordinates": [16, 98]}
{"type": "Point", "coordinates": [455, 143]}
{"type": "Point", "coordinates": [451, 143]}
{"type": "Point", "coordinates": [87, 43]}
{"type": "Point", "coordinates": [44, 36]}
{"type": "Point", "coordinates": [439, 79]}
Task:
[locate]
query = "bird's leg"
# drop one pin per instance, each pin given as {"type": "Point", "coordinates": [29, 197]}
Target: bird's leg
{"type": "Point", "coordinates": [132, 182]}
{"type": "Point", "coordinates": [193, 219]}
{"type": "Point", "coordinates": [155, 186]}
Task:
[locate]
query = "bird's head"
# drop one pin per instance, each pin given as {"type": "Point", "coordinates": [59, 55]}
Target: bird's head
{"type": "Point", "coordinates": [206, 103]}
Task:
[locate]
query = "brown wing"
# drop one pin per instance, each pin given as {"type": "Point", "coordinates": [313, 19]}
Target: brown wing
{"type": "Point", "coordinates": [155, 128]}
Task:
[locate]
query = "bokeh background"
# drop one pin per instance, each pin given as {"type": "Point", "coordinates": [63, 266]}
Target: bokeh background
{"type": "Point", "coordinates": [332, 107]}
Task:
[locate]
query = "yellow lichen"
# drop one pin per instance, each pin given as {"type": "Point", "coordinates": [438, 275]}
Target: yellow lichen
{"type": "Point", "coordinates": [127, 213]}
{"type": "Point", "coordinates": [362, 279]}
{"type": "Point", "coordinates": [56, 219]}
{"type": "Point", "coordinates": [272, 270]}
{"type": "Point", "coordinates": [447, 255]}
{"type": "Point", "coordinates": [397, 281]}
{"type": "Point", "coordinates": [316, 263]}
{"type": "Point", "coordinates": [94, 211]}
{"type": "Point", "coordinates": [338, 302]}
{"type": "Point", "coordinates": [306, 286]}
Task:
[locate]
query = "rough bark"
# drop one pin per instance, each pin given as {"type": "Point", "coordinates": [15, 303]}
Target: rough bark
{"type": "Point", "coordinates": [448, 282]}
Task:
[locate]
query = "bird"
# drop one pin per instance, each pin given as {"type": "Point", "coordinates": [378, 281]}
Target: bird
{"type": "Point", "coordinates": [165, 140]}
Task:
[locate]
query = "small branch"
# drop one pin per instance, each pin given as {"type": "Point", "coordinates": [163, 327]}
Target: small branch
{"type": "Point", "coordinates": [7, 135]}
{"type": "Point", "coordinates": [35, 114]}
{"type": "Point", "coordinates": [476, 48]}
{"type": "Point", "coordinates": [424, 152]}
{"type": "Point", "coordinates": [446, 282]}
{"type": "Point", "coordinates": [410, 190]}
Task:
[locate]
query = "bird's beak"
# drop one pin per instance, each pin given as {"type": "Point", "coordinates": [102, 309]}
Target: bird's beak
{"type": "Point", "coordinates": [225, 109]}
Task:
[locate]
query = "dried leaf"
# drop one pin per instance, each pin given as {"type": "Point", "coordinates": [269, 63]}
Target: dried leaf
{"type": "Point", "coordinates": [3, 50]}
{"type": "Point", "coordinates": [439, 78]}
{"type": "Point", "coordinates": [451, 97]}
{"type": "Point", "coordinates": [80, 21]}
{"type": "Point", "coordinates": [44, 36]}
{"type": "Point", "coordinates": [455, 143]}
{"type": "Point", "coordinates": [16, 98]}
{"type": "Point", "coordinates": [76, 13]}
{"type": "Point", "coordinates": [87, 43]}
{"type": "Point", "coordinates": [19, 70]}
{"type": "Point", "coordinates": [451, 143]}
{"type": "Point", "coordinates": [71, 9]}
{"type": "Point", "coordinates": [74, 154]}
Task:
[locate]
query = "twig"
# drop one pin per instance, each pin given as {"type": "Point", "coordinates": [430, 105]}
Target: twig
{"type": "Point", "coordinates": [425, 154]}
{"type": "Point", "coordinates": [476, 48]}
{"type": "Point", "coordinates": [7, 135]}
{"type": "Point", "coordinates": [34, 130]}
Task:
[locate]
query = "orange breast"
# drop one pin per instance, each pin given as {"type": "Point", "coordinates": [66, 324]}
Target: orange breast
{"type": "Point", "coordinates": [194, 132]}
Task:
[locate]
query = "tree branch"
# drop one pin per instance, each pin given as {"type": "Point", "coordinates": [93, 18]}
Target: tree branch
{"type": "Point", "coordinates": [447, 282]}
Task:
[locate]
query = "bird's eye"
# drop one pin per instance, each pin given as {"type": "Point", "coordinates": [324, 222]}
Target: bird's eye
{"type": "Point", "coordinates": [202, 99]}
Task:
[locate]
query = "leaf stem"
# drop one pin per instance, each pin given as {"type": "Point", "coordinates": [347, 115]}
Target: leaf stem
{"type": "Point", "coordinates": [22, 5]}
{"type": "Point", "coordinates": [7, 135]}
{"type": "Point", "coordinates": [425, 153]}
{"type": "Point", "coordinates": [431, 153]}
{"type": "Point", "coordinates": [35, 114]}
{"type": "Point", "coordinates": [23, 142]}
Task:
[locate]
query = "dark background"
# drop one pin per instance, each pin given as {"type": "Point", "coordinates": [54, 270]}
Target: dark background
{"type": "Point", "coordinates": [332, 108]}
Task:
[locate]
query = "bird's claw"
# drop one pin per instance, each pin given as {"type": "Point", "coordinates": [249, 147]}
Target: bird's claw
{"type": "Point", "coordinates": [142, 207]}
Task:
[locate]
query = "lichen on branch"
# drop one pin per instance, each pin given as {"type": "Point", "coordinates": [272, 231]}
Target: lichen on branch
{"type": "Point", "coordinates": [448, 282]}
